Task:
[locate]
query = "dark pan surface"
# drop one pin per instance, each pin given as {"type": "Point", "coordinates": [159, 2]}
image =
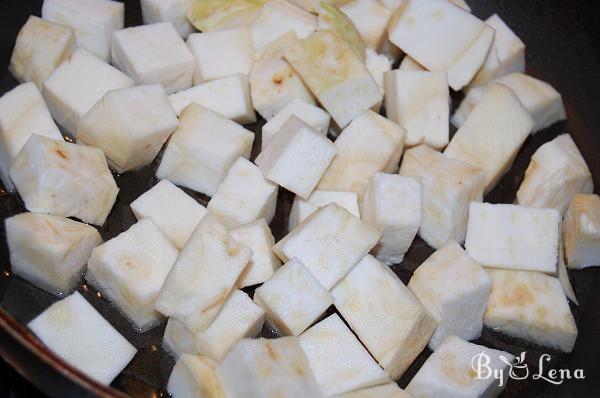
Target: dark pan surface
{"type": "Point", "coordinates": [563, 48]}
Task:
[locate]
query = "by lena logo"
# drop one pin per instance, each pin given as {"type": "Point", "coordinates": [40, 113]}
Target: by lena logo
{"type": "Point", "coordinates": [517, 369]}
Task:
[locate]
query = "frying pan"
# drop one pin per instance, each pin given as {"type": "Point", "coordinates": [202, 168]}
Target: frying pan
{"type": "Point", "coordinates": [563, 48]}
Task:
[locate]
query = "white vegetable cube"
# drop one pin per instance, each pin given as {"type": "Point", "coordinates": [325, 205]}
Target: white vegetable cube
{"type": "Point", "coordinates": [173, 211]}
{"type": "Point", "coordinates": [493, 134]}
{"type": "Point", "coordinates": [130, 125]}
{"type": "Point", "coordinates": [541, 100]}
{"type": "Point", "coordinates": [369, 144]}
{"type": "Point", "coordinates": [167, 61]}
{"type": "Point", "coordinates": [49, 251]}
{"type": "Point", "coordinates": [40, 47]}
{"type": "Point", "coordinates": [531, 306]}
{"type": "Point", "coordinates": [377, 64]}
{"type": "Point", "coordinates": [77, 84]}
{"type": "Point", "coordinates": [23, 112]}
{"type": "Point", "coordinates": [302, 208]}
{"type": "Point", "coordinates": [203, 275]}
{"type": "Point", "coordinates": [345, 88]}
{"type": "Point", "coordinates": [370, 19]}
{"type": "Point", "coordinates": [130, 270]}
{"type": "Point", "coordinates": [174, 11]}
{"type": "Point", "coordinates": [409, 64]}
{"type": "Point", "coordinates": [390, 390]}
{"type": "Point", "coordinates": [194, 376]}
{"type": "Point", "coordinates": [94, 21]}
{"type": "Point", "coordinates": [312, 115]}
{"type": "Point", "coordinates": [389, 320]}
{"type": "Point", "coordinates": [507, 54]}
{"type": "Point", "coordinates": [448, 187]}
{"type": "Point", "coordinates": [240, 317]}
{"type": "Point", "coordinates": [202, 149]}
{"type": "Point", "coordinates": [556, 173]}
{"type": "Point", "coordinates": [297, 157]}
{"type": "Point", "coordinates": [267, 368]}
{"type": "Point", "coordinates": [178, 339]}
{"type": "Point", "coordinates": [329, 243]}
{"type": "Point", "coordinates": [292, 298]}
{"type": "Point", "coordinates": [278, 17]}
{"type": "Point", "coordinates": [64, 179]}
{"type": "Point", "coordinates": [581, 232]}
{"type": "Point", "coordinates": [221, 53]}
{"type": "Point", "coordinates": [77, 333]}
{"type": "Point", "coordinates": [514, 237]}
{"type": "Point", "coordinates": [455, 291]}
{"type": "Point", "coordinates": [392, 204]}
{"type": "Point", "coordinates": [274, 83]}
{"type": "Point", "coordinates": [450, 372]}
{"type": "Point", "coordinates": [419, 102]}
{"type": "Point", "coordinates": [338, 359]}
{"type": "Point", "coordinates": [245, 195]}
{"type": "Point", "coordinates": [229, 97]}
{"type": "Point", "coordinates": [258, 237]}
{"type": "Point", "coordinates": [442, 37]}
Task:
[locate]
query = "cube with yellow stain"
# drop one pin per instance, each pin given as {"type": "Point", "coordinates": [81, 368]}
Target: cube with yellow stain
{"type": "Point", "coordinates": [267, 368]}
{"type": "Point", "coordinates": [448, 187]}
{"type": "Point", "coordinates": [130, 269]}
{"type": "Point", "coordinates": [273, 81]}
{"type": "Point", "coordinates": [40, 47]}
{"type": "Point", "coordinates": [64, 179]}
{"type": "Point", "coordinates": [278, 17]}
{"type": "Point", "coordinates": [77, 333]}
{"type": "Point", "coordinates": [335, 75]}
{"type": "Point", "coordinates": [330, 242]}
{"type": "Point", "coordinates": [581, 232]}
{"type": "Point", "coordinates": [203, 276]}
{"type": "Point", "coordinates": [49, 251]}
{"type": "Point", "coordinates": [338, 359]}
{"type": "Point", "coordinates": [531, 306]}
{"type": "Point", "coordinates": [370, 19]}
{"type": "Point", "coordinates": [452, 371]}
{"type": "Point", "coordinates": [194, 376]}
{"type": "Point", "coordinates": [389, 320]}
{"type": "Point", "coordinates": [293, 299]}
